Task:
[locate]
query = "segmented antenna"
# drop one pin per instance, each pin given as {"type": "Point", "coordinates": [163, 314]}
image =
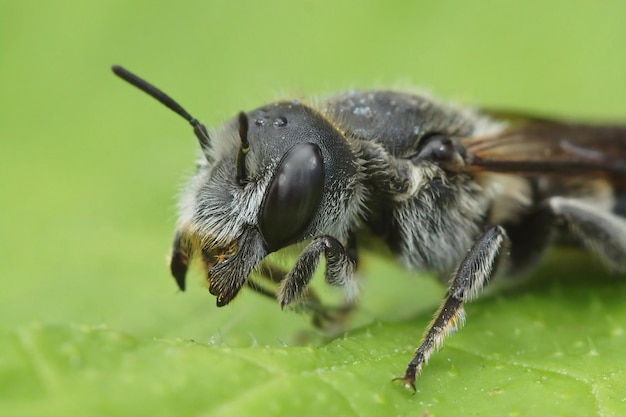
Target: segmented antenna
{"type": "Point", "coordinates": [198, 128]}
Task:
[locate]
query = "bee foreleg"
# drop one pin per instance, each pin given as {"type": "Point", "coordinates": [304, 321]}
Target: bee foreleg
{"type": "Point", "coordinates": [472, 274]}
{"type": "Point", "coordinates": [600, 231]}
{"type": "Point", "coordinates": [339, 270]}
{"type": "Point", "coordinates": [227, 277]}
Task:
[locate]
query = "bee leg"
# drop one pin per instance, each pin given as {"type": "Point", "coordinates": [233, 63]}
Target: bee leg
{"type": "Point", "coordinates": [329, 319]}
{"type": "Point", "coordinates": [323, 316]}
{"type": "Point", "coordinates": [332, 319]}
{"type": "Point", "coordinates": [269, 273]}
{"type": "Point", "coordinates": [339, 269]}
{"type": "Point", "coordinates": [226, 278]}
{"type": "Point", "coordinates": [472, 274]}
{"type": "Point", "coordinates": [276, 275]}
{"type": "Point", "coordinates": [602, 232]}
{"type": "Point", "coordinates": [259, 288]}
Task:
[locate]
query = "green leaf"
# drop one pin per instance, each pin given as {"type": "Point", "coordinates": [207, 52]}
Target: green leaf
{"type": "Point", "coordinates": [89, 169]}
{"type": "Point", "coordinates": [545, 349]}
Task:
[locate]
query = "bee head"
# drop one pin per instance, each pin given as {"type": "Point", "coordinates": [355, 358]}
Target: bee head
{"type": "Point", "coordinates": [273, 177]}
{"type": "Point", "coordinates": [269, 178]}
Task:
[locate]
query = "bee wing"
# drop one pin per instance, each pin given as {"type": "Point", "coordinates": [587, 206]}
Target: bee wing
{"type": "Point", "coordinates": [544, 146]}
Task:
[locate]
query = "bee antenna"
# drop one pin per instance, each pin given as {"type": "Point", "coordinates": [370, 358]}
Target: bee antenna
{"type": "Point", "coordinates": [198, 128]}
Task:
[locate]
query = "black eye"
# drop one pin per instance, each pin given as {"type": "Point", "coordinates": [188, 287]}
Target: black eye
{"type": "Point", "coordinates": [292, 196]}
{"type": "Point", "coordinates": [436, 147]}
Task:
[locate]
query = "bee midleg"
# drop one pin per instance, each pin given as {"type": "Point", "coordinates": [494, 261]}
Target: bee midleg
{"type": "Point", "coordinates": [260, 288]}
{"type": "Point", "coordinates": [600, 231]}
{"type": "Point", "coordinates": [266, 272]}
{"type": "Point", "coordinates": [323, 316]}
{"type": "Point", "coordinates": [473, 273]}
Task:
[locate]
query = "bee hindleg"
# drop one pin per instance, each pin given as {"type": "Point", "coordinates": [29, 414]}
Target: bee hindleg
{"type": "Point", "coordinates": [472, 274]}
{"type": "Point", "coordinates": [600, 231]}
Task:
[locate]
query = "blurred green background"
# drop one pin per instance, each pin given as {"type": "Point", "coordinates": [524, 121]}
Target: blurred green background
{"type": "Point", "coordinates": [90, 167]}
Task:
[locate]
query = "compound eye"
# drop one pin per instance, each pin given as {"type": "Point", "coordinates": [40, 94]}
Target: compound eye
{"type": "Point", "coordinates": [436, 147]}
{"type": "Point", "coordinates": [292, 196]}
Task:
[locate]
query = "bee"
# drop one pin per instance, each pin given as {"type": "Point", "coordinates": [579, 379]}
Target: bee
{"type": "Point", "coordinates": [464, 193]}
